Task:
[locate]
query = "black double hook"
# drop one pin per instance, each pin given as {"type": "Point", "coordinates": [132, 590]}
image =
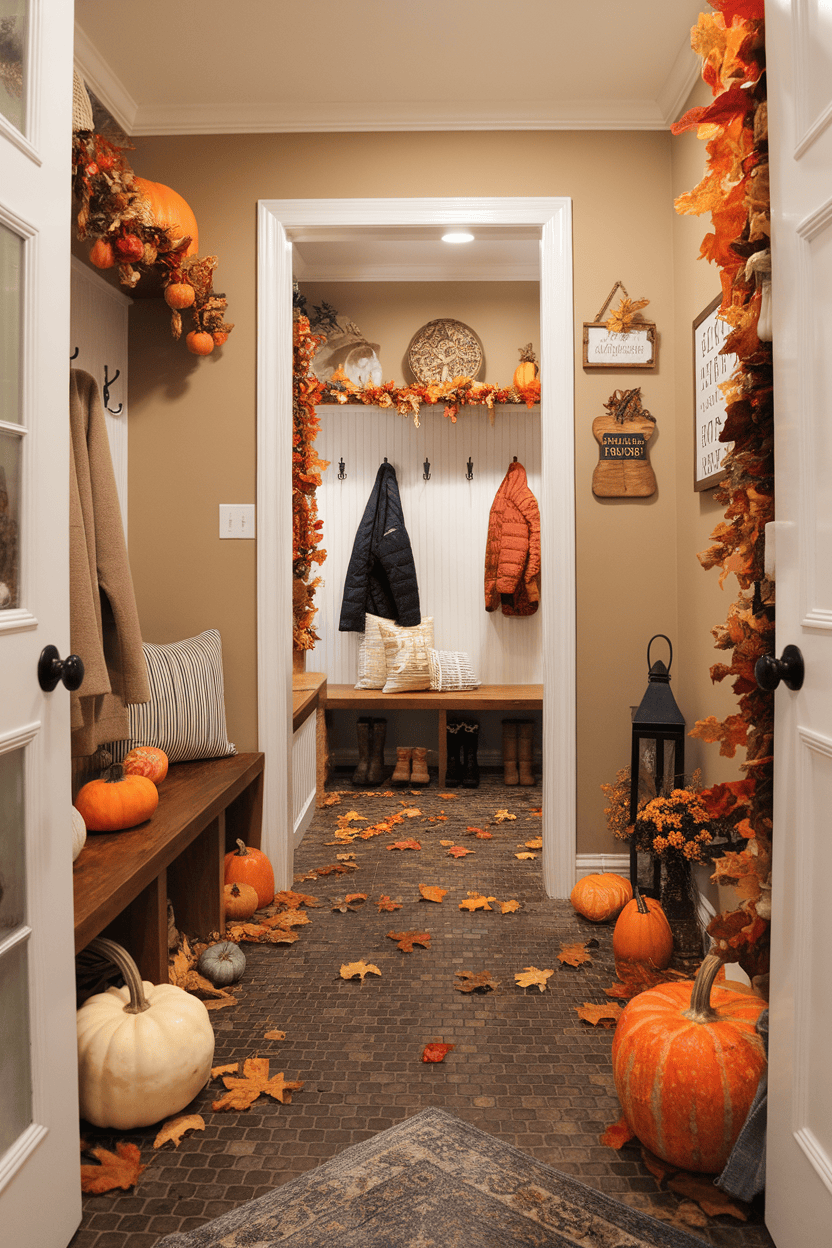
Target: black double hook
{"type": "Point", "coordinates": [74, 355]}
{"type": "Point", "coordinates": [342, 476]}
{"type": "Point", "coordinates": [108, 381]}
{"type": "Point", "coordinates": [469, 469]}
{"type": "Point", "coordinates": [426, 473]}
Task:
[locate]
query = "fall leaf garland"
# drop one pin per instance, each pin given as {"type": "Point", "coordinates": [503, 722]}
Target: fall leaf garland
{"type": "Point", "coordinates": [735, 192]}
{"type": "Point", "coordinates": [307, 528]}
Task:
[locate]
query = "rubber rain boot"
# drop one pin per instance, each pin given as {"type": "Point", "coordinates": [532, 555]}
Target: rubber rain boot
{"type": "Point", "coordinates": [525, 750]}
{"type": "Point", "coordinates": [470, 738]}
{"type": "Point", "coordinates": [420, 773]}
{"type": "Point", "coordinates": [362, 732]}
{"type": "Point", "coordinates": [400, 778]}
{"type": "Point", "coordinates": [510, 773]}
{"type": "Point", "coordinates": [453, 770]}
{"type": "Point", "coordinates": [375, 771]}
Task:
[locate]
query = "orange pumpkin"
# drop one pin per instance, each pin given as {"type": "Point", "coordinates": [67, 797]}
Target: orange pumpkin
{"type": "Point", "coordinates": [600, 897]}
{"type": "Point", "coordinates": [179, 295]}
{"type": "Point", "coordinates": [170, 212]}
{"type": "Point", "coordinates": [116, 801]}
{"type": "Point", "coordinates": [686, 1061]}
{"type": "Point", "coordinates": [642, 934]}
{"type": "Point", "coordinates": [527, 370]}
{"type": "Point", "coordinates": [240, 900]}
{"type": "Point", "coordinates": [219, 337]}
{"type": "Point", "coordinates": [102, 254]}
{"type": "Point", "coordinates": [199, 343]}
{"type": "Point", "coordinates": [246, 865]}
{"type": "Point", "coordinates": [146, 760]}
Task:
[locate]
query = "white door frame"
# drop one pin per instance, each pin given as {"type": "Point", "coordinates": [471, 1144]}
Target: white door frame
{"type": "Point", "coordinates": [279, 223]}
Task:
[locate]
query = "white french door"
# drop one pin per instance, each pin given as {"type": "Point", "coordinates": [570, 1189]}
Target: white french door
{"type": "Point", "coordinates": [799, 1156]}
{"type": "Point", "coordinates": [39, 1177]}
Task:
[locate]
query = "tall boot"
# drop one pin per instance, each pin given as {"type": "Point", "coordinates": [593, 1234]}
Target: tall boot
{"type": "Point", "coordinates": [453, 771]}
{"type": "Point", "coordinates": [420, 773]}
{"type": "Point", "coordinates": [400, 778]}
{"type": "Point", "coordinates": [471, 772]}
{"type": "Point", "coordinates": [375, 771]}
{"type": "Point", "coordinates": [525, 745]}
{"type": "Point", "coordinates": [510, 774]}
{"type": "Point", "coordinates": [362, 732]}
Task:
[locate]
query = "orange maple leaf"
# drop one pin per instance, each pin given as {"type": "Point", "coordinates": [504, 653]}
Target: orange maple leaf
{"type": "Point", "coordinates": [700, 1187]}
{"type": "Point", "coordinates": [476, 901]}
{"type": "Point", "coordinates": [458, 851]}
{"type": "Point", "coordinates": [607, 1015]}
{"type": "Point", "coordinates": [119, 1169]}
{"type": "Point", "coordinates": [617, 1134]}
{"type": "Point", "coordinates": [472, 982]}
{"type": "Point", "coordinates": [292, 900]}
{"type": "Point", "coordinates": [387, 903]}
{"type": "Point", "coordinates": [436, 1052]}
{"type": "Point", "coordinates": [432, 892]}
{"type": "Point", "coordinates": [173, 1129]}
{"type": "Point", "coordinates": [537, 843]}
{"type": "Point", "coordinates": [637, 977]}
{"type": "Point", "coordinates": [406, 940]}
{"type": "Point", "coordinates": [527, 855]}
{"type": "Point", "coordinates": [333, 800]}
{"type": "Point", "coordinates": [357, 970]}
{"type": "Point", "coordinates": [574, 954]}
{"type": "Point", "coordinates": [449, 797]}
{"type": "Point", "coordinates": [508, 907]}
{"type": "Point", "coordinates": [405, 845]}
{"type": "Point", "coordinates": [246, 1088]}
{"type": "Point", "coordinates": [531, 977]}
{"type": "Point", "coordinates": [411, 812]}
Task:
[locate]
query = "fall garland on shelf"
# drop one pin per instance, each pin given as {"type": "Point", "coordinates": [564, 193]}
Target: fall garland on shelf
{"type": "Point", "coordinates": [735, 192]}
{"type": "Point", "coordinates": [306, 477]}
{"type": "Point", "coordinates": [116, 210]}
{"type": "Point", "coordinates": [408, 400]}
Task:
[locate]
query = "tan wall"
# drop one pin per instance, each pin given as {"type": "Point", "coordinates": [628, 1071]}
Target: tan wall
{"type": "Point", "coordinates": [702, 604]}
{"type": "Point", "coordinates": [192, 434]}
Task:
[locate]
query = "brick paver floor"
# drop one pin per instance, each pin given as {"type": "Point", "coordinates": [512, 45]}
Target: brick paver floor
{"type": "Point", "coordinates": [524, 1068]}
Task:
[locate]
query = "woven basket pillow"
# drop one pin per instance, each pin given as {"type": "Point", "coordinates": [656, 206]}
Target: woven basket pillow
{"type": "Point", "coordinates": [372, 665]}
{"type": "Point", "coordinates": [451, 670]}
{"type": "Point", "coordinates": [406, 652]}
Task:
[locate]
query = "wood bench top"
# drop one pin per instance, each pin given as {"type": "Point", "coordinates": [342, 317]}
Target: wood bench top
{"type": "Point", "coordinates": [308, 691]}
{"type": "Point", "coordinates": [113, 867]}
{"type": "Point", "coordinates": [485, 698]}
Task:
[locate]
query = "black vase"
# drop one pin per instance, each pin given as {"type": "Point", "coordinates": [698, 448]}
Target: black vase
{"type": "Point", "coordinates": [678, 900]}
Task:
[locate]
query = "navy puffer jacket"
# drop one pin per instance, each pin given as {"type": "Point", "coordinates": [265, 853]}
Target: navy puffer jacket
{"type": "Point", "coordinates": [381, 576]}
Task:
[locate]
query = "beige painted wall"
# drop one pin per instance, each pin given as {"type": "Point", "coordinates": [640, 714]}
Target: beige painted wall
{"type": "Point", "coordinates": [192, 434]}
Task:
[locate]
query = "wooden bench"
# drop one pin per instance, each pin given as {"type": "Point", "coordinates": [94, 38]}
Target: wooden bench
{"type": "Point", "coordinates": [507, 698]}
{"type": "Point", "coordinates": [122, 880]}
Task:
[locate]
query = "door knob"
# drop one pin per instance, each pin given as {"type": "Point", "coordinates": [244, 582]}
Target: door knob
{"type": "Point", "coordinates": [51, 669]}
{"type": "Point", "coordinates": [788, 668]}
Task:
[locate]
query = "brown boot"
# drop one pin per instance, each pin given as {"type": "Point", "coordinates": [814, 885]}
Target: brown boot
{"type": "Point", "coordinates": [510, 774]}
{"type": "Point", "coordinates": [525, 749]}
{"type": "Point", "coordinates": [420, 774]}
{"type": "Point", "coordinates": [401, 776]}
{"type": "Point", "coordinates": [375, 771]}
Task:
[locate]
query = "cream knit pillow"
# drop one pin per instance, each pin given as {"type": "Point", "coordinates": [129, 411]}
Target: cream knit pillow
{"type": "Point", "coordinates": [451, 670]}
{"type": "Point", "coordinates": [372, 665]}
{"type": "Point", "coordinates": [406, 652]}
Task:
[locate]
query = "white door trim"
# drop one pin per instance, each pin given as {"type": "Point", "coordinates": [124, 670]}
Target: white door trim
{"type": "Point", "coordinates": [279, 221]}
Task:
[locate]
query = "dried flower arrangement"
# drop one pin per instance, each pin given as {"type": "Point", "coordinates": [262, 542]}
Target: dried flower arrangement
{"type": "Point", "coordinates": [735, 192]}
{"type": "Point", "coordinates": [454, 394]}
{"type": "Point", "coordinates": [117, 211]}
{"type": "Point", "coordinates": [678, 824]}
{"type": "Point", "coordinates": [306, 477]}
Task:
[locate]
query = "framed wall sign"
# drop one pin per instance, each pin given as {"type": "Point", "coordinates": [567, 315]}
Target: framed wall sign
{"type": "Point", "coordinates": [710, 369]}
{"type": "Point", "coordinates": [605, 349]}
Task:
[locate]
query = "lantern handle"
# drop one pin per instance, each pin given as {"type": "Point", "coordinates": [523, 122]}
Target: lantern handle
{"type": "Point", "coordinates": [655, 637]}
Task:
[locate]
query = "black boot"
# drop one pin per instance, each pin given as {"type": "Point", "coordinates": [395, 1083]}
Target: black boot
{"type": "Point", "coordinates": [375, 772]}
{"type": "Point", "coordinates": [362, 732]}
{"type": "Point", "coordinates": [471, 772]}
{"type": "Point", "coordinates": [453, 771]}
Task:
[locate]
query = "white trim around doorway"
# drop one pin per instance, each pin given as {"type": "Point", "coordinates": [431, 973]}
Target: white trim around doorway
{"type": "Point", "coordinates": [281, 221]}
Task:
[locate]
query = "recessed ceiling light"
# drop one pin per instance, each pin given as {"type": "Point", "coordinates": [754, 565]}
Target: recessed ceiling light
{"type": "Point", "coordinates": [458, 236]}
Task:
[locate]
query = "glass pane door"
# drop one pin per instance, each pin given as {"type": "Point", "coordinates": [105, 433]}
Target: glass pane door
{"type": "Point", "coordinates": [14, 15]}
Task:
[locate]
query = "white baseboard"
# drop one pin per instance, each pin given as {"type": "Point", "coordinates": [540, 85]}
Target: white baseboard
{"type": "Point", "coordinates": [303, 820]}
{"type": "Point", "coordinates": [588, 864]}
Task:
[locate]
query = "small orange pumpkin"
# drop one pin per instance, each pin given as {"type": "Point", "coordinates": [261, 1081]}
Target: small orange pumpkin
{"type": "Point", "coordinates": [102, 254]}
{"type": "Point", "coordinates": [240, 900]}
{"type": "Point", "coordinates": [686, 1060]}
{"type": "Point", "coordinates": [247, 865]}
{"type": "Point", "coordinates": [199, 343]}
{"type": "Point", "coordinates": [116, 801]}
{"type": "Point", "coordinates": [170, 212]}
{"type": "Point", "coordinates": [601, 896]}
{"type": "Point", "coordinates": [219, 337]}
{"type": "Point", "coordinates": [146, 760]}
{"type": "Point", "coordinates": [642, 934]}
{"type": "Point", "coordinates": [179, 295]}
{"type": "Point", "coordinates": [526, 371]}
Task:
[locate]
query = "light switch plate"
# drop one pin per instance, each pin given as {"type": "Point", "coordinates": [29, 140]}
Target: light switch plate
{"type": "Point", "coordinates": [237, 520]}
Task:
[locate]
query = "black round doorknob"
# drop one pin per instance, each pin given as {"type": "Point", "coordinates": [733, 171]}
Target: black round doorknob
{"type": "Point", "coordinates": [769, 671]}
{"type": "Point", "coordinates": [51, 669]}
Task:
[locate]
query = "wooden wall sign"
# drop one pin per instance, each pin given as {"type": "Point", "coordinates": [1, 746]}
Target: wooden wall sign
{"type": "Point", "coordinates": [710, 369]}
{"type": "Point", "coordinates": [623, 469]}
{"type": "Point", "coordinates": [606, 346]}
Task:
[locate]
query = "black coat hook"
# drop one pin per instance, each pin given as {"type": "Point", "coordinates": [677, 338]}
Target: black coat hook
{"type": "Point", "coordinates": [514, 460]}
{"type": "Point", "coordinates": [426, 473]}
{"type": "Point", "coordinates": [342, 476]}
{"type": "Point", "coordinates": [108, 381]}
{"type": "Point", "coordinates": [74, 355]}
{"type": "Point", "coordinates": [469, 470]}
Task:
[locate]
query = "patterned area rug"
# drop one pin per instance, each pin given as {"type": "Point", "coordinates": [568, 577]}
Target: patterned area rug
{"type": "Point", "coordinates": [433, 1182]}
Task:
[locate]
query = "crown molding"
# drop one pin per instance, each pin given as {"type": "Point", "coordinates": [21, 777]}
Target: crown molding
{"type": "Point", "coordinates": [685, 72]}
{"type": "Point", "coordinates": [107, 87]}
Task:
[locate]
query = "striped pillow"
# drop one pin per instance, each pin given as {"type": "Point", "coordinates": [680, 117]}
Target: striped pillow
{"type": "Point", "coordinates": [451, 670]}
{"type": "Point", "coordinates": [185, 716]}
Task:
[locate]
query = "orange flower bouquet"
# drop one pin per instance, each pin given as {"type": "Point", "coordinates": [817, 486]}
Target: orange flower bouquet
{"type": "Point", "coordinates": [675, 825]}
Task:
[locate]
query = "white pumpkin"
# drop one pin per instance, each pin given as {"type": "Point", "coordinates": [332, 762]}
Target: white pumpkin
{"type": "Point", "coordinates": [144, 1051]}
{"type": "Point", "coordinates": [79, 833]}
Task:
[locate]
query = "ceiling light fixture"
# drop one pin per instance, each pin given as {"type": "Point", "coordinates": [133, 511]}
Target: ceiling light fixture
{"type": "Point", "coordinates": [458, 236]}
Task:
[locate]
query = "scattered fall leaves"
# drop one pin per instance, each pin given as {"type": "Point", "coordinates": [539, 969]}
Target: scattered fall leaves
{"type": "Point", "coordinates": [459, 851]}
{"type": "Point", "coordinates": [119, 1169]}
{"type": "Point", "coordinates": [412, 812]}
{"type": "Point", "coordinates": [260, 934]}
{"type": "Point", "coordinates": [476, 901]}
{"type": "Point", "coordinates": [711, 1200]}
{"type": "Point", "coordinates": [637, 977]}
{"type": "Point", "coordinates": [500, 816]}
{"type": "Point", "coordinates": [172, 1130]}
{"type": "Point", "coordinates": [352, 901]}
{"type": "Point", "coordinates": [389, 903]}
{"type": "Point", "coordinates": [274, 1034]}
{"type": "Point", "coordinates": [472, 982]}
{"type": "Point", "coordinates": [406, 940]}
{"type": "Point", "coordinates": [446, 842]}
{"type": "Point", "coordinates": [405, 845]}
{"type": "Point", "coordinates": [508, 907]}
{"type": "Point", "coordinates": [334, 799]}
{"type": "Point", "coordinates": [357, 970]}
{"type": "Point", "coordinates": [432, 892]}
{"type": "Point", "coordinates": [436, 1052]}
{"type": "Point", "coordinates": [575, 954]}
{"type": "Point", "coordinates": [536, 843]}
{"type": "Point", "coordinates": [605, 1015]}
{"type": "Point", "coordinates": [246, 1088]}
{"type": "Point", "coordinates": [532, 976]}
{"type": "Point", "coordinates": [291, 900]}
{"type": "Point", "coordinates": [617, 1134]}
{"type": "Point", "coordinates": [526, 854]}
{"type": "Point", "coordinates": [449, 797]}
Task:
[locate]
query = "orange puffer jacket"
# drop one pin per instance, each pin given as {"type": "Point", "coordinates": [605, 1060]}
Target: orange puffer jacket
{"type": "Point", "coordinates": [512, 549]}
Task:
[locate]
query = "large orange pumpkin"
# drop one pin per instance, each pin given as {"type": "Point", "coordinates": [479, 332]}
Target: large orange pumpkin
{"type": "Point", "coordinates": [245, 865]}
{"type": "Point", "coordinates": [116, 801]}
{"type": "Point", "coordinates": [602, 896]}
{"type": "Point", "coordinates": [642, 934]}
{"type": "Point", "coordinates": [170, 212]}
{"type": "Point", "coordinates": [686, 1060]}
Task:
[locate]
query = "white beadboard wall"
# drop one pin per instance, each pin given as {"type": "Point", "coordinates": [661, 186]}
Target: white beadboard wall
{"type": "Point", "coordinates": [446, 518]}
{"type": "Point", "coordinates": [303, 778]}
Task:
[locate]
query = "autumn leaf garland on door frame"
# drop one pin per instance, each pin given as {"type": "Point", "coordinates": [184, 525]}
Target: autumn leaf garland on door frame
{"type": "Point", "coordinates": [307, 528]}
{"type": "Point", "coordinates": [735, 192]}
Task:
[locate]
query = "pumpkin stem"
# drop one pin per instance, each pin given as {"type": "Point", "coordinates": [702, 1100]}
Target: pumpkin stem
{"type": "Point", "coordinates": [700, 1009]}
{"type": "Point", "coordinates": [114, 773]}
{"type": "Point", "coordinates": [114, 953]}
{"type": "Point", "coordinates": [242, 848]}
{"type": "Point", "coordinates": [641, 903]}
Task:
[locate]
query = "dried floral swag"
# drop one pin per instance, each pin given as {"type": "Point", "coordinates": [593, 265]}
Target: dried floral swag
{"type": "Point", "coordinates": [306, 477]}
{"type": "Point", "coordinates": [735, 192]}
{"type": "Point", "coordinates": [454, 394]}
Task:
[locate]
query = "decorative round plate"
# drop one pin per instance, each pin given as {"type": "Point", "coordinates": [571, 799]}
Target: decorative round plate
{"type": "Point", "coordinates": [444, 349]}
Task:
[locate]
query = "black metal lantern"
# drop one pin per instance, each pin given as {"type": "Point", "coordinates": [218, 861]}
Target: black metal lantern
{"type": "Point", "coordinates": [657, 761]}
